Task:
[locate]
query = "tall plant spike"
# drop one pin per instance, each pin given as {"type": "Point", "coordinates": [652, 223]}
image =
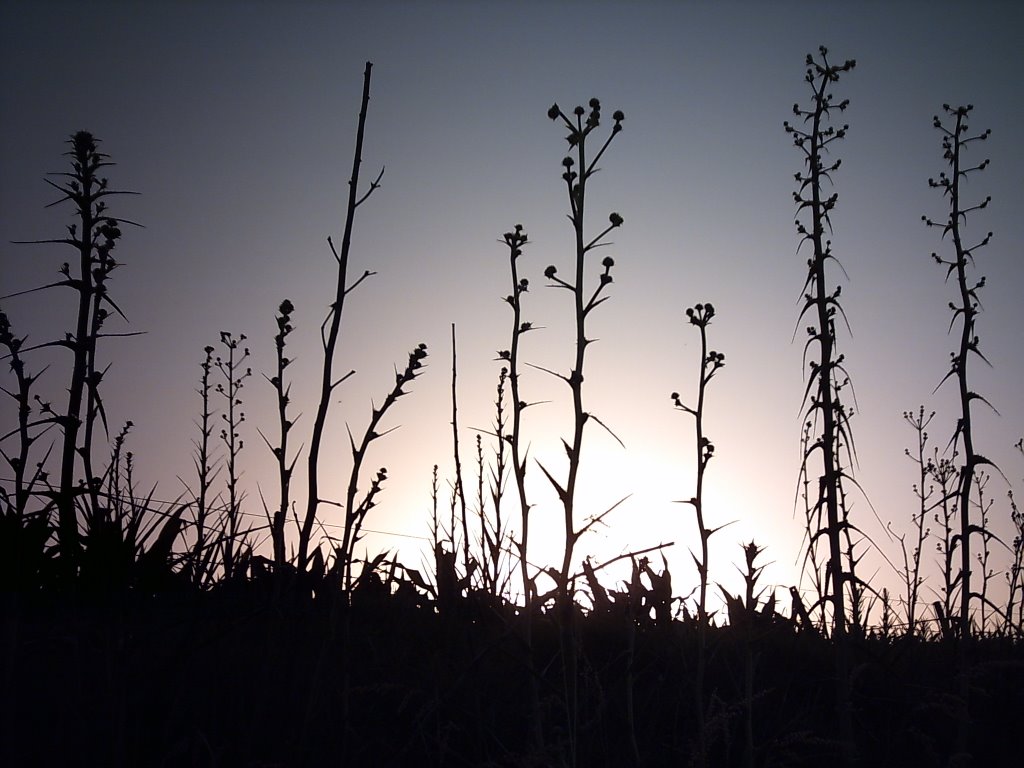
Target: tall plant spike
{"type": "Point", "coordinates": [331, 329]}
{"type": "Point", "coordinates": [516, 240]}
{"type": "Point", "coordinates": [924, 491]}
{"type": "Point", "coordinates": [711, 362]}
{"type": "Point", "coordinates": [955, 140]}
{"type": "Point", "coordinates": [584, 302]}
{"type": "Point", "coordinates": [459, 489]}
{"type": "Point", "coordinates": [285, 467]}
{"type": "Point", "coordinates": [93, 236]}
{"type": "Point", "coordinates": [206, 470]}
{"type": "Point", "coordinates": [827, 374]}
{"type": "Point", "coordinates": [823, 404]}
{"type": "Point", "coordinates": [234, 375]}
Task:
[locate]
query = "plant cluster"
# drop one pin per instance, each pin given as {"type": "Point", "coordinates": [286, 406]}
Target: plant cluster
{"type": "Point", "coordinates": [370, 661]}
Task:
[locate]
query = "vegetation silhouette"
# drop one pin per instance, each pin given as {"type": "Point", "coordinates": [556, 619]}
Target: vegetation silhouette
{"type": "Point", "coordinates": [141, 634]}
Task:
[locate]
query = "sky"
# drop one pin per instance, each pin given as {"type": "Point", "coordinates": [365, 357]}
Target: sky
{"type": "Point", "coordinates": [236, 123]}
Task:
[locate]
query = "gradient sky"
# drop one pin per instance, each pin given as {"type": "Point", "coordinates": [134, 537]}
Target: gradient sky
{"type": "Point", "coordinates": [236, 123]}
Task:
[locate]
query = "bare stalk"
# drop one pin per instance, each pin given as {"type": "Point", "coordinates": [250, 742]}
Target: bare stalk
{"type": "Point", "coordinates": [459, 490]}
{"type": "Point", "coordinates": [332, 324]}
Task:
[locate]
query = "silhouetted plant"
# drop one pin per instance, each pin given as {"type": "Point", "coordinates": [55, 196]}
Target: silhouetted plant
{"type": "Point", "coordinates": [285, 467]}
{"type": "Point", "coordinates": [954, 142]}
{"type": "Point", "coordinates": [459, 489]}
{"type": "Point", "coordinates": [233, 544]}
{"type": "Point", "coordinates": [710, 363]}
{"type": "Point", "coordinates": [885, 627]}
{"type": "Point", "coordinates": [200, 565]}
{"type": "Point", "coordinates": [827, 374]}
{"type": "Point", "coordinates": [481, 514]}
{"type": "Point", "coordinates": [331, 329]}
{"type": "Point", "coordinates": [965, 311]}
{"type": "Point", "coordinates": [435, 526]}
{"type": "Point", "coordinates": [584, 302]}
{"type": "Point", "coordinates": [944, 472]}
{"type": "Point", "coordinates": [984, 505]}
{"type": "Point", "coordinates": [127, 545]}
{"type": "Point", "coordinates": [494, 532]}
{"type": "Point", "coordinates": [924, 492]}
{"type": "Point", "coordinates": [812, 569]}
{"type": "Point", "coordinates": [823, 394]}
{"type": "Point", "coordinates": [28, 431]}
{"type": "Point", "coordinates": [753, 621]}
{"type": "Point", "coordinates": [93, 236]}
{"type": "Point", "coordinates": [516, 240]}
{"type": "Point", "coordinates": [24, 558]}
{"type": "Point", "coordinates": [1015, 573]}
{"type": "Point", "coordinates": [356, 511]}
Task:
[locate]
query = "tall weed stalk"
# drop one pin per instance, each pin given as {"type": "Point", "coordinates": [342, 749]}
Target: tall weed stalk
{"type": "Point", "coordinates": [955, 141]}
{"type": "Point", "coordinates": [822, 396]}
{"type": "Point", "coordinates": [92, 237]}
{"type": "Point", "coordinates": [330, 331]}
{"type": "Point", "coordinates": [585, 301]}
{"type": "Point", "coordinates": [232, 367]}
{"type": "Point", "coordinates": [711, 362]}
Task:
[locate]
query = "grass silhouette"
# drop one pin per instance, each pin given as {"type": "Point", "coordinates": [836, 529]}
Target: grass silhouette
{"type": "Point", "coordinates": [134, 635]}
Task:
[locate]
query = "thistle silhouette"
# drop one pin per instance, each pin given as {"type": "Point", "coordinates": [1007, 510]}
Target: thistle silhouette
{"type": "Point", "coordinates": [824, 407]}
{"type": "Point", "coordinates": [955, 141]}
{"type": "Point", "coordinates": [578, 171]}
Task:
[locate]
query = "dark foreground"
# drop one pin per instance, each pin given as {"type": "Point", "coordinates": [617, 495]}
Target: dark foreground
{"type": "Point", "coordinates": [244, 677]}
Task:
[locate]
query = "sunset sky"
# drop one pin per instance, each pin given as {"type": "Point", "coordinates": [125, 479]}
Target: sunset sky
{"type": "Point", "coordinates": [236, 123]}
